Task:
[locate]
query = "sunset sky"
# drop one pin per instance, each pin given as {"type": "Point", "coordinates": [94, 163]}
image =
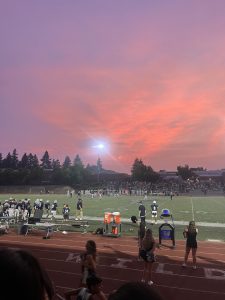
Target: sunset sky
{"type": "Point", "coordinates": [145, 78]}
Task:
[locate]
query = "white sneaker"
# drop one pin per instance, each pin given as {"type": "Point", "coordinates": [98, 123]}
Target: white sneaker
{"type": "Point", "coordinates": [184, 265]}
{"type": "Point", "coordinates": [142, 280]}
{"type": "Point", "coordinates": [150, 282]}
{"type": "Point", "coordinates": [194, 267]}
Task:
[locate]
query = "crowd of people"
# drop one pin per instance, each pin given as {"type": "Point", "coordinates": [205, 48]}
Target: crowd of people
{"type": "Point", "coordinates": [162, 188]}
{"type": "Point", "coordinates": [22, 209]}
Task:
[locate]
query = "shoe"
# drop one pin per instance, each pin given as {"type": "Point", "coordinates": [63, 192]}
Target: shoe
{"type": "Point", "coordinates": [184, 265]}
{"type": "Point", "coordinates": [142, 280]}
{"type": "Point", "coordinates": [194, 267]}
{"type": "Point", "coordinates": [150, 282]}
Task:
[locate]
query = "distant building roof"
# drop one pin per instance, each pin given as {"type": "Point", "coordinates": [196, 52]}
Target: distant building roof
{"type": "Point", "coordinates": [167, 175]}
{"type": "Point", "coordinates": [210, 173]}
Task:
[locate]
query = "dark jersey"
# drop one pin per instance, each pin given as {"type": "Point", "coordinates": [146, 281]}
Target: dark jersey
{"type": "Point", "coordinates": [154, 207]}
{"type": "Point", "coordinates": [142, 210]}
{"type": "Point", "coordinates": [66, 211]}
{"type": "Point", "coordinates": [47, 205]}
{"type": "Point", "coordinates": [54, 206]}
{"type": "Point", "coordinates": [79, 204]}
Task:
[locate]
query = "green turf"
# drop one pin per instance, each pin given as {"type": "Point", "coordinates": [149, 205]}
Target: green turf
{"type": "Point", "coordinates": [183, 208]}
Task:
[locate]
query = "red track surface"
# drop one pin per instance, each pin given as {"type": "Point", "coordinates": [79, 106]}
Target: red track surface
{"type": "Point", "coordinates": [117, 263]}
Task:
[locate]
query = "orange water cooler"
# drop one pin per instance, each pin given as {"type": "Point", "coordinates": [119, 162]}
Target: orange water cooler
{"type": "Point", "coordinates": [112, 222]}
{"type": "Point", "coordinates": [108, 217]}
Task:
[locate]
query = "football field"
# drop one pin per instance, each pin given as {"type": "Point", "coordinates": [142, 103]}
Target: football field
{"type": "Point", "coordinates": [207, 211]}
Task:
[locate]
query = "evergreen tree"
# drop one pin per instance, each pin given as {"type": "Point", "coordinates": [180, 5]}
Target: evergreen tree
{"type": "Point", "coordinates": [77, 161]}
{"type": "Point", "coordinates": [24, 162]}
{"type": "Point", "coordinates": [77, 170]}
{"type": "Point", "coordinates": [35, 162]}
{"type": "Point", "coordinates": [7, 161]}
{"type": "Point", "coordinates": [46, 161]}
{"type": "Point", "coordinates": [32, 162]}
{"type": "Point", "coordinates": [67, 162]}
{"type": "Point", "coordinates": [56, 164]}
{"type": "Point", "coordinates": [14, 160]}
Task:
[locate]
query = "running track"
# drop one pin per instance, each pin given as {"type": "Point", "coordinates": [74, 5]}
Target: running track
{"type": "Point", "coordinates": [117, 263]}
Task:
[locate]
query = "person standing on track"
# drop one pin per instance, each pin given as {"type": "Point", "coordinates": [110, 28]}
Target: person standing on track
{"type": "Point", "coordinates": [141, 234]}
{"type": "Point", "coordinates": [190, 233]}
{"type": "Point", "coordinates": [88, 261]}
{"type": "Point", "coordinates": [148, 246]}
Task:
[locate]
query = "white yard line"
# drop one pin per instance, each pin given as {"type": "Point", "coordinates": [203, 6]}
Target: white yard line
{"type": "Point", "coordinates": [192, 210]}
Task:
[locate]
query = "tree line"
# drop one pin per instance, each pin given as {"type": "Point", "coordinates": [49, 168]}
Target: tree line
{"type": "Point", "coordinates": [29, 170]}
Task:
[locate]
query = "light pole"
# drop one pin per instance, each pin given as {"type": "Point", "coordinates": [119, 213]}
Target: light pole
{"type": "Point", "coordinates": [99, 147]}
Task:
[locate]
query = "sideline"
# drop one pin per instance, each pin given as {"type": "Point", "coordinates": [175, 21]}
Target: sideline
{"type": "Point", "coordinates": [126, 220]}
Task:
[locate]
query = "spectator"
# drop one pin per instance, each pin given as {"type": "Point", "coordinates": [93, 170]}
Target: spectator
{"type": "Point", "coordinates": [88, 261]}
{"type": "Point", "coordinates": [141, 234]}
{"type": "Point", "coordinates": [136, 291]}
{"type": "Point", "coordinates": [93, 291]}
{"type": "Point", "coordinates": [190, 233]}
{"type": "Point", "coordinates": [21, 269]}
{"type": "Point", "coordinates": [148, 246]}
